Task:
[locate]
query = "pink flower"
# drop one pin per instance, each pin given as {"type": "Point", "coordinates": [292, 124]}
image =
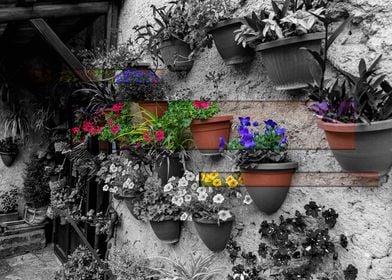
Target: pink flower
{"type": "Point", "coordinates": [75, 130]}
{"type": "Point", "coordinates": [118, 107]}
{"type": "Point", "coordinates": [115, 129]}
{"type": "Point", "coordinates": [159, 135]}
{"type": "Point", "coordinates": [87, 126]}
{"type": "Point", "coordinates": [201, 104]}
{"type": "Point", "coordinates": [147, 137]}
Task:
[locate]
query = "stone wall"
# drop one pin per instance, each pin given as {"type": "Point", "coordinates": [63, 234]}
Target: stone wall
{"type": "Point", "coordinates": [363, 211]}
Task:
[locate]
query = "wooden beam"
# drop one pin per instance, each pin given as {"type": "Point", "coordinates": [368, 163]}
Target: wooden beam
{"type": "Point", "coordinates": [53, 40]}
{"type": "Point", "coordinates": [52, 11]}
{"type": "Point", "coordinates": [112, 24]}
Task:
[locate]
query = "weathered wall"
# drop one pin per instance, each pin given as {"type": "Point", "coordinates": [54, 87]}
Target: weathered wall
{"type": "Point", "coordinates": [363, 212]}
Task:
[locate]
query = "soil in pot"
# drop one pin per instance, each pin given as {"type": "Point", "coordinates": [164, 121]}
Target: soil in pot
{"type": "Point", "coordinates": [175, 54]}
{"type": "Point", "coordinates": [229, 50]}
{"type": "Point", "coordinates": [268, 184]}
{"type": "Point", "coordinates": [169, 167]}
{"type": "Point", "coordinates": [289, 67]}
{"type": "Point", "coordinates": [8, 159]}
{"type": "Point", "coordinates": [167, 231]}
{"type": "Point", "coordinates": [156, 108]}
{"type": "Point", "coordinates": [361, 148]}
{"type": "Point", "coordinates": [215, 236]}
{"type": "Point", "coordinates": [206, 133]}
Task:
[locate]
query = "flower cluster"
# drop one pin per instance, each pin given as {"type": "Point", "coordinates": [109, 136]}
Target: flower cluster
{"type": "Point", "coordinates": [122, 176]}
{"type": "Point", "coordinates": [209, 196]}
{"type": "Point", "coordinates": [203, 109]}
{"type": "Point", "coordinates": [8, 200]}
{"type": "Point", "coordinates": [252, 146]}
{"type": "Point", "coordinates": [343, 111]}
{"type": "Point", "coordinates": [138, 77]}
{"type": "Point", "coordinates": [154, 136]}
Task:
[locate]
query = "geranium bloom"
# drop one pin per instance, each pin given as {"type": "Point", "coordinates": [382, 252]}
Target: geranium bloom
{"type": "Point", "coordinates": [115, 129]}
{"type": "Point", "coordinates": [75, 130]}
{"type": "Point", "coordinates": [218, 199]}
{"type": "Point", "coordinates": [147, 137]}
{"type": "Point", "coordinates": [118, 107]}
{"type": "Point", "coordinates": [87, 126]}
{"type": "Point", "coordinates": [201, 104]}
{"type": "Point", "coordinates": [159, 135]}
{"type": "Point", "coordinates": [224, 215]}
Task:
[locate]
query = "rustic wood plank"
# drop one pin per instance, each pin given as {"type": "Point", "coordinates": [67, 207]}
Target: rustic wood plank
{"type": "Point", "coordinates": [53, 40]}
{"type": "Point", "coordinates": [52, 11]}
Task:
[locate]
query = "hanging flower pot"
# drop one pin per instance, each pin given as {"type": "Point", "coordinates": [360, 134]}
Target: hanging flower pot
{"type": "Point", "coordinates": [215, 236]}
{"type": "Point", "coordinates": [156, 108]}
{"type": "Point", "coordinates": [8, 158]}
{"type": "Point", "coordinates": [361, 148]}
{"type": "Point", "coordinates": [170, 166]}
{"type": "Point", "coordinates": [207, 133]}
{"type": "Point", "coordinates": [231, 52]}
{"type": "Point", "coordinates": [268, 184]}
{"type": "Point", "coordinates": [287, 65]}
{"type": "Point", "coordinates": [167, 231]}
{"type": "Point", "coordinates": [175, 54]}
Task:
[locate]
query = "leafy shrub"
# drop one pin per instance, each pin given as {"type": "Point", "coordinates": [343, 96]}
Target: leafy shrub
{"type": "Point", "coordinates": [8, 200]}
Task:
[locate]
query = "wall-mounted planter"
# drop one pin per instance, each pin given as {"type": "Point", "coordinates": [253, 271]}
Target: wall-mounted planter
{"type": "Point", "coordinates": [229, 50]}
{"type": "Point", "coordinates": [156, 108]}
{"type": "Point", "coordinates": [288, 67]}
{"type": "Point", "coordinates": [167, 231]}
{"type": "Point", "coordinates": [206, 133]}
{"type": "Point", "coordinates": [9, 217]}
{"type": "Point", "coordinates": [268, 184]}
{"type": "Point", "coordinates": [8, 158]}
{"type": "Point", "coordinates": [175, 54]}
{"type": "Point", "coordinates": [170, 167]}
{"type": "Point", "coordinates": [361, 148]}
{"type": "Point", "coordinates": [215, 236]}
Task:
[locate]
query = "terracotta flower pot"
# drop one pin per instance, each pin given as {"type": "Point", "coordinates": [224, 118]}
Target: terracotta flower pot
{"type": "Point", "coordinates": [156, 108]}
{"type": "Point", "coordinates": [169, 167]}
{"type": "Point", "coordinates": [175, 55]}
{"type": "Point", "coordinates": [206, 133]}
{"type": "Point", "coordinates": [268, 184]}
{"type": "Point", "coordinates": [167, 231]}
{"type": "Point", "coordinates": [361, 148]}
{"type": "Point", "coordinates": [287, 65]}
{"type": "Point", "coordinates": [215, 236]}
{"type": "Point", "coordinates": [229, 50]}
{"type": "Point", "coordinates": [8, 158]}
{"type": "Point", "coordinates": [8, 217]}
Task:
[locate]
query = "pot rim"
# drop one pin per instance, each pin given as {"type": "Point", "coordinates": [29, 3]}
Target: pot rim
{"type": "Point", "coordinates": [292, 165]}
{"type": "Point", "coordinates": [226, 22]}
{"type": "Point", "coordinates": [171, 41]}
{"type": "Point", "coordinates": [211, 222]}
{"type": "Point", "coordinates": [290, 40]}
{"type": "Point", "coordinates": [166, 220]}
{"type": "Point", "coordinates": [354, 127]}
{"type": "Point", "coordinates": [214, 119]}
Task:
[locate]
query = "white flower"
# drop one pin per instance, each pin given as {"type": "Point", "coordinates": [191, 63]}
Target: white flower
{"type": "Point", "coordinates": [238, 194]}
{"type": "Point", "coordinates": [201, 190]}
{"type": "Point", "coordinates": [107, 180]}
{"type": "Point", "coordinates": [105, 188]}
{"type": "Point", "coordinates": [218, 198]}
{"type": "Point", "coordinates": [202, 196]}
{"type": "Point", "coordinates": [194, 186]}
{"type": "Point", "coordinates": [183, 182]}
{"type": "Point", "coordinates": [210, 189]}
{"type": "Point", "coordinates": [123, 173]}
{"type": "Point", "coordinates": [184, 216]}
{"type": "Point", "coordinates": [224, 215]}
{"type": "Point", "coordinates": [197, 179]}
{"type": "Point", "coordinates": [128, 184]}
{"type": "Point", "coordinates": [113, 168]}
{"type": "Point", "coordinates": [111, 190]}
{"type": "Point", "coordinates": [248, 200]}
{"type": "Point", "coordinates": [171, 179]}
{"type": "Point", "coordinates": [189, 176]}
{"type": "Point", "coordinates": [187, 198]}
{"type": "Point", "coordinates": [115, 189]}
{"type": "Point", "coordinates": [168, 187]}
{"type": "Point", "coordinates": [181, 192]}
{"type": "Point", "coordinates": [190, 218]}
{"type": "Point", "coordinates": [136, 167]}
{"type": "Point", "coordinates": [125, 162]}
{"type": "Point", "coordinates": [177, 201]}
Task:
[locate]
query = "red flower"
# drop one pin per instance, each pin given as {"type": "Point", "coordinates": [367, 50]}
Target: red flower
{"type": "Point", "coordinates": [87, 126]}
{"type": "Point", "coordinates": [75, 130]}
{"type": "Point", "coordinates": [118, 107]}
{"type": "Point", "coordinates": [159, 135]}
{"type": "Point", "coordinates": [147, 137]}
{"type": "Point", "coordinates": [115, 129]}
{"type": "Point", "coordinates": [201, 104]}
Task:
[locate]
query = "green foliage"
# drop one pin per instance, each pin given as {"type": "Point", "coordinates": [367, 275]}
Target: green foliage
{"type": "Point", "coordinates": [9, 200]}
{"type": "Point", "coordinates": [36, 189]}
{"type": "Point", "coordinates": [81, 264]}
{"type": "Point", "coordinates": [8, 146]}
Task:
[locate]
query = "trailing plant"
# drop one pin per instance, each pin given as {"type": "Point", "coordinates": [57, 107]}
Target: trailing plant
{"type": "Point", "coordinates": [8, 146]}
{"type": "Point", "coordinates": [9, 200]}
{"type": "Point", "coordinates": [252, 147]}
{"type": "Point", "coordinates": [17, 126]}
{"type": "Point", "coordinates": [292, 248]}
{"type": "Point", "coordinates": [81, 264]}
{"type": "Point", "coordinates": [294, 18]}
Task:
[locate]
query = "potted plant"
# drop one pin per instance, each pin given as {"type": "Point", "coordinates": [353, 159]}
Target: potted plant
{"type": "Point", "coordinates": [8, 205]}
{"type": "Point", "coordinates": [262, 159]}
{"type": "Point", "coordinates": [36, 191]}
{"type": "Point", "coordinates": [124, 177]}
{"type": "Point", "coordinates": [8, 151]}
{"type": "Point", "coordinates": [209, 204]}
{"type": "Point", "coordinates": [279, 35]}
{"type": "Point", "coordinates": [156, 208]}
{"type": "Point", "coordinates": [178, 34]}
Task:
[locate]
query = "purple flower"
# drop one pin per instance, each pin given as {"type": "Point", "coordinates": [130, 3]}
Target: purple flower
{"type": "Point", "coordinates": [248, 141]}
{"type": "Point", "coordinates": [323, 106]}
{"type": "Point", "coordinates": [222, 143]}
{"type": "Point", "coordinates": [283, 142]}
{"type": "Point", "coordinates": [255, 123]}
{"type": "Point", "coordinates": [270, 123]}
{"type": "Point", "coordinates": [245, 121]}
{"type": "Point", "coordinates": [243, 131]}
{"type": "Point", "coordinates": [280, 131]}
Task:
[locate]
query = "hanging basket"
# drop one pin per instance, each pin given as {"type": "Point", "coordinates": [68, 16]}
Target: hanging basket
{"type": "Point", "coordinates": [167, 231]}
{"type": "Point", "coordinates": [8, 158]}
{"type": "Point", "coordinates": [175, 54]}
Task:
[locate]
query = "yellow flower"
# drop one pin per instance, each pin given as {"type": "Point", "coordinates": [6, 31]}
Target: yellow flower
{"type": "Point", "coordinates": [203, 176]}
{"type": "Point", "coordinates": [241, 180]}
{"type": "Point", "coordinates": [214, 175]}
{"type": "Point", "coordinates": [217, 182]}
{"type": "Point", "coordinates": [207, 179]}
{"type": "Point", "coordinates": [231, 181]}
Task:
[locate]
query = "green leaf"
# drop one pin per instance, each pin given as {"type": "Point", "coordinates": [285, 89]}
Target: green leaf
{"type": "Point", "coordinates": [337, 32]}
